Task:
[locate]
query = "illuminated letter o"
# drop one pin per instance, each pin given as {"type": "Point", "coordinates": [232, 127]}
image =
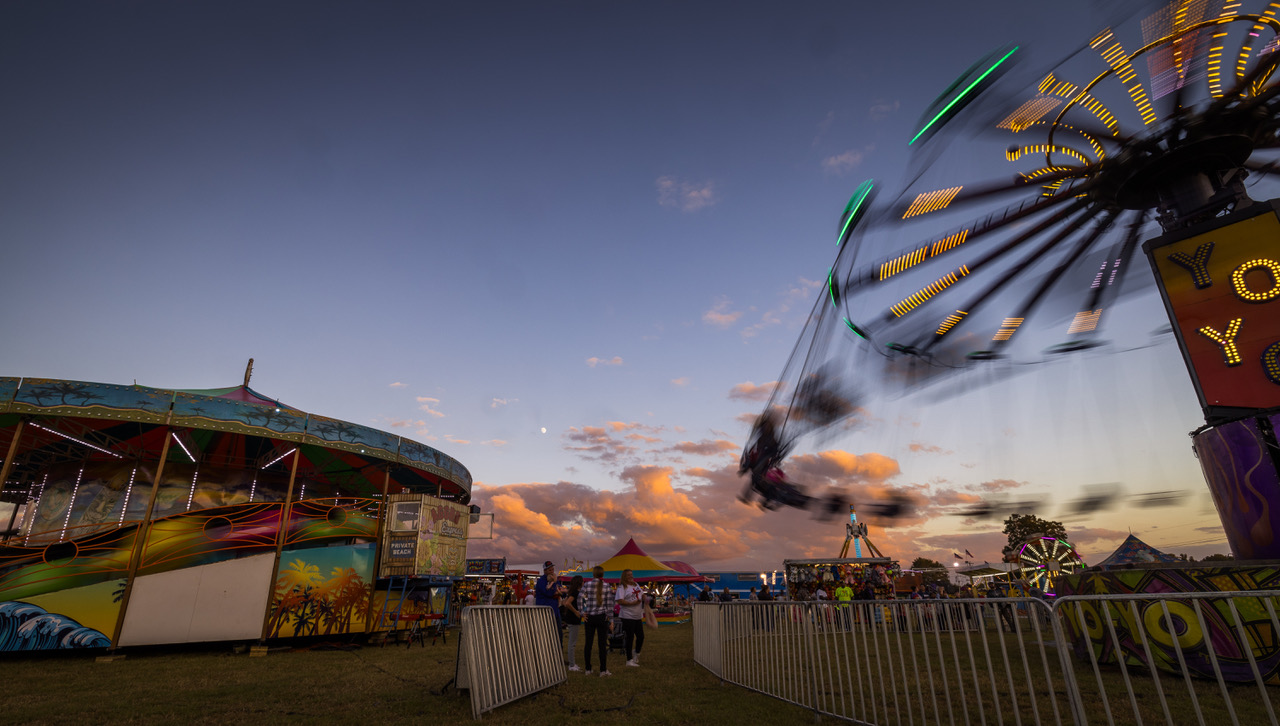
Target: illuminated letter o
{"type": "Point", "coordinates": [1271, 362]}
{"type": "Point", "coordinates": [1244, 293]}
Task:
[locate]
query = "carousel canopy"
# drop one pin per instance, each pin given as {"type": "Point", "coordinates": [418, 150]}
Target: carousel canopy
{"type": "Point", "coordinates": [642, 566]}
{"type": "Point", "coordinates": [1134, 551]}
{"type": "Point", "coordinates": [235, 426]}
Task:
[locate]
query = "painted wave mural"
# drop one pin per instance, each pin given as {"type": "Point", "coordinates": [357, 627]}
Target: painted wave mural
{"type": "Point", "coordinates": [30, 627]}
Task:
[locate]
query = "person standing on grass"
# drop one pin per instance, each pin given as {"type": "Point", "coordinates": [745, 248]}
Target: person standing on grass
{"type": "Point", "coordinates": [595, 608]}
{"type": "Point", "coordinates": [571, 616]}
{"type": "Point", "coordinates": [630, 597]}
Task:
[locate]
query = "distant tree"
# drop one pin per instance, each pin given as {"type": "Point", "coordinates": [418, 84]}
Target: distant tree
{"type": "Point", "coordinates": [1019, 527]}
{"type": "Point", "coordinates": [1218, 558]}
{"type": "Point", "coordinates": [1185, 558]}
{"type": "Point", "coordinates": [931, 571]}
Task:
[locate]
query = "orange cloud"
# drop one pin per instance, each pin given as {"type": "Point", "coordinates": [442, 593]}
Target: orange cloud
{"type": "Point", "coordinates": [705, 447]}
{"type": "Point", "coordinates": [751, 392]}
{"type": "Point", "coordinates": [720, 315]}
{"type": "Point", "coordinates": [693, 513]}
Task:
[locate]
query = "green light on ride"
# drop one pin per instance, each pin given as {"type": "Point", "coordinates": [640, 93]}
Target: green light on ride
{"type": "Point", "coordinates": [831, 288]}
{"type": "Point", "coordinates": [856, 330]}
{"type": "Point", "coordinates": [961, 95]}
{"type": "Point", "coordinates": [853, 209]}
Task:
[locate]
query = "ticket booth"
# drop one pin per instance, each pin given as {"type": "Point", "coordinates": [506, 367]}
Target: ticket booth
{"type": "Point", "coordinates": [423, 552]}
{"type": "Point", "coordinates": [424, 536]}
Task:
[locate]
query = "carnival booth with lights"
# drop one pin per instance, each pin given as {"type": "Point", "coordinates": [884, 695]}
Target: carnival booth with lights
{"type": "Point", "coordinates": [134, 516]}
{"type": "Point", "coordinates": [879, 573]}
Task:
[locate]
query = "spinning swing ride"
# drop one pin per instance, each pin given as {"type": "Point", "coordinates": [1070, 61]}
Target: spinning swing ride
{"type": "Point", "coordinates": [1144, 134]}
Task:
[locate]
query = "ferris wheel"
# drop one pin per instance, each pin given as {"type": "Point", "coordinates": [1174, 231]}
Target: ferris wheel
{"type": "Point", "coordinates": [1042, 558]}
{"type": "Point", "coordinates": [1152, 125]}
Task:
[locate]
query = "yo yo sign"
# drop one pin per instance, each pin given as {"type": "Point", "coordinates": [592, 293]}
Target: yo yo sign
{"type": "Point", "coordinates": [1222, 290]}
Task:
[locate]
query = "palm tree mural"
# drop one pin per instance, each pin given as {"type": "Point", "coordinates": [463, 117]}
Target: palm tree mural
{"type": "Point", "coordinates": [63, 390]}
{"type": "Point", "coordinates": [338, 431]}
{"type": "Point", "coordinates": [271, 418]}
{"type": "Point", "coordinates": [306, 603]}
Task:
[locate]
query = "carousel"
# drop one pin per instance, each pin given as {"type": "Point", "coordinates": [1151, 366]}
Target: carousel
{"type": "Point", "coordinates": [133, 515]}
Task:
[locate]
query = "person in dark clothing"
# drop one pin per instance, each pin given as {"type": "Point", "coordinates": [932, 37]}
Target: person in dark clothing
{"type": "Point", "coordinates": [705, 595]}
{"type": "Point", "coordinates": [596, 605]}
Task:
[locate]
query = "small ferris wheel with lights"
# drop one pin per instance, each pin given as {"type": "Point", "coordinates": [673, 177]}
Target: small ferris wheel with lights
{"type": "Point", "coordinates": [1042, 558]}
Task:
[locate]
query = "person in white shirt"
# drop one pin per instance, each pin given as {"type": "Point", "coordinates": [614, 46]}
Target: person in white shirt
{"type": "Point", "coordinates": [630, 598]}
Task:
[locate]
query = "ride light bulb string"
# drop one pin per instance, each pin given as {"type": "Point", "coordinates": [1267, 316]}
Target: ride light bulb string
{"type": "Point", "coordinates": [71, 505]}
{"type": "Point", "coordinates": [78, 441]}
{"type": "Point", "coordinates": [183, 447]}
{"type": "Point", "coordinates": [278, 458]}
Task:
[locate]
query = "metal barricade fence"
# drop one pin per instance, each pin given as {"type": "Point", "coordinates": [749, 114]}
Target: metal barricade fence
{"type": "Point", "coordinates": [506, 652]}
{"type": "Point", "coordinates": [1006, 660]}
{"type": "Point", "coordinates": [1203, 657]}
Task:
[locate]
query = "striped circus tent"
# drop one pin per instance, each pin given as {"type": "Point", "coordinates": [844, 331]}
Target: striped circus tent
{"type": "Point", "coordinates": [644, 567]}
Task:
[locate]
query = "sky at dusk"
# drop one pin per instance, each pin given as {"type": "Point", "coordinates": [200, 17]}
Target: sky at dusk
{"type": "Point", "coordinates": [467, 223]}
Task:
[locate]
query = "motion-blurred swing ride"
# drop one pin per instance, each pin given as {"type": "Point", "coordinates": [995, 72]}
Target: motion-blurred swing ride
{"type": "Point", "coordinates": [1141, 140]}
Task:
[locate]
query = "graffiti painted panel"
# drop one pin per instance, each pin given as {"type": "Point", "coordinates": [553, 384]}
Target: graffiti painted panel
{"type": "Point", "coordinates": [1174, 625]}
{"type": "Point", "coordinates": [442, 538]}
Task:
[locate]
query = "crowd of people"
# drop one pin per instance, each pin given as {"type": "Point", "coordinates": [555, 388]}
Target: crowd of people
{"type": "Point", "coordinates": [604, 611]}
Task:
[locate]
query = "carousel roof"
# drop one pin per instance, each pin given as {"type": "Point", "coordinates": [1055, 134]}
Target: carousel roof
{"type": "Point", "coordinates": [112, 420]}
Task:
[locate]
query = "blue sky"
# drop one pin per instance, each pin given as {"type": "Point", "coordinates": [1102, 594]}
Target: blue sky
{"type": "Point", "coordinates": [468, 222]}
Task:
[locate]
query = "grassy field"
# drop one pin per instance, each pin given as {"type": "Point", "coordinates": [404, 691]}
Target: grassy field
{"type": "Point", "coordinates": [366, 685]}
{"type": "Point", "coordinates": [341, 683]}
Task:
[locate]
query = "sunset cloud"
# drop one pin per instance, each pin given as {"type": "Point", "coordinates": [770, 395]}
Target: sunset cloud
{"type": "Point", "coordinates": [751, 392]}
{"type": "Point", "coordinates": [426, 405]}
{"type": "Point", "coordinates": [706, 447]}
{"type": "Point", "coordinates": [846, 161]}
{"type": "Point", "coordinates": [398, 384]}
{"type": "Point", "coordinates": [500, 402]}
{"type": "Point", "coordinates": [922, 448]}
{"type": "Point", "coordinates": [685, 195]}
{"type": "Point", "coordinates": [681, 382]}
{"type": "Point", "coordinates": [693, 513]}
{"type": "Point", "coordinates": [597, 443]}
{"type": "Point", "coordinates": [406, 423]}
{"type": "Point", "coordinates": [593, 361]}
{"type": "Point", "coordinates": [720, 315]}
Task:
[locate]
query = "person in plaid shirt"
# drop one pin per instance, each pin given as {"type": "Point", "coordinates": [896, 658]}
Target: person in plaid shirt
{"type": "Point", "coordinates": [596, 605]}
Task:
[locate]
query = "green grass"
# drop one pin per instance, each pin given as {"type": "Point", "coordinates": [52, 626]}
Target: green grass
{"type": "Point", "coordinates": [395, 683]}
{"type": "Point", "coordinates": [367, 685]}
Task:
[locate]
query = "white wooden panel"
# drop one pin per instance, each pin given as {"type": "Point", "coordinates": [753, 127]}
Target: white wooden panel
{"type": "Point", "coordinates": [222, 601]}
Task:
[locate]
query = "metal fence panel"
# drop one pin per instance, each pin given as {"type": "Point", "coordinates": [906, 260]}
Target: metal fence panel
{"type": "Point", "coordinates": [508, 652]}
{"type": "Point", "coordinates": [1172, 658]}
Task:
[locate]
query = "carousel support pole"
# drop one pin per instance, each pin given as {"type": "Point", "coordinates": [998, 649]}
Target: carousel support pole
{"type": "Point", "coordinates": [140, 539]}
{"type": "Point", "coordinates": [377, 549]}
{"type": "Point", "coordinates": [282, 532]}
{"type": "Point", "coordinates": [4, 472]}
